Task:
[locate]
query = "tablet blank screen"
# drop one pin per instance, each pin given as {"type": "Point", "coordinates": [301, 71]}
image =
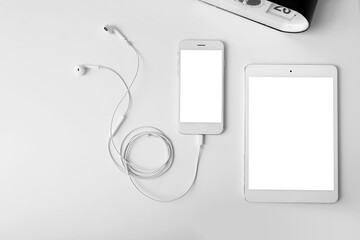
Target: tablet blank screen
{"type": "Point", "coordinates": [291, 133]}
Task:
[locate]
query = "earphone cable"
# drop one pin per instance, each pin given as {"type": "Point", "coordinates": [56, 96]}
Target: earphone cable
{"type": "Point", "coordinates": [121, 155]}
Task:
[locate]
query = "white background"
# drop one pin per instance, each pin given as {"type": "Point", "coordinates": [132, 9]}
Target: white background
{"type": "Point", "coordinates": [56, 178]}
{"type": "Point", "coordinates": [291, 133]}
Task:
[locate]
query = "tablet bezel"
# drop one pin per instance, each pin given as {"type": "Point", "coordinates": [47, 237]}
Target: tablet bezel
{"type": "Point", "coordinates": [292, 196]}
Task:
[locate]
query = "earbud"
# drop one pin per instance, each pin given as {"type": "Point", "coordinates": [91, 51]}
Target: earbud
{"type": "Point", "coordinates": [109, 29]}
{"type": "Point", "coordinates": [112, 29]}
{"type": "Point", "coordinates": [80, 70]}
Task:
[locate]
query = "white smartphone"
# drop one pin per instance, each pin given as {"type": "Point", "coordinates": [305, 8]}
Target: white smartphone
{"type": "Point", "coordinates": [201, 90]}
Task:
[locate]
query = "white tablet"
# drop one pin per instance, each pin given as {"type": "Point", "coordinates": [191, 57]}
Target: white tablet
{"type": "Point", "coordinates": [291, 139]}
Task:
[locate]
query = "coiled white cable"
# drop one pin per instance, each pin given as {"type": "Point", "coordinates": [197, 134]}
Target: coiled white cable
{"type": "Point", "coordinates": [121, 154]}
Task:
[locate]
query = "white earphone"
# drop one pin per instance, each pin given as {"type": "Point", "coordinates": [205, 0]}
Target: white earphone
{"type": "Point", "coordinates": [112, 29]}
{"type": "Point", "coordinates": [80, 70]}
{"type": "Point", "coordinates": [120, 154]}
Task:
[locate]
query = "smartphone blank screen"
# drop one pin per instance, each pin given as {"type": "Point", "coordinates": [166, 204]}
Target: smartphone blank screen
{"type": "Point", "coordinates": [201, 86]}
{"type": "Point", "coordinates": [291, 133]}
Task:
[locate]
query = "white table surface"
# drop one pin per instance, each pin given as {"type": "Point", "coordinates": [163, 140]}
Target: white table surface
{"type": "Point", "coordinates": [56, 178]}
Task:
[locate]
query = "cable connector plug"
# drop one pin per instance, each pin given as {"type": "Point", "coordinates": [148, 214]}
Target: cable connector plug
{"type": "Point", "coordinates": [200, 140]}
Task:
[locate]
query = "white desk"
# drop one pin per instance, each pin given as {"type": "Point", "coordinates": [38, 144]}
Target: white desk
{"type": "Point", "coordinates": [56, 178]}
